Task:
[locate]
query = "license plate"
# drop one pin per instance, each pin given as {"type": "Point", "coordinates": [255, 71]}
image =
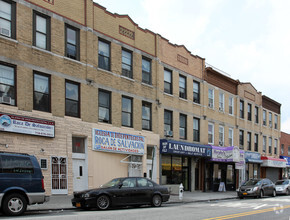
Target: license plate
{"type": "Point", "coordinates": [244, 193]}
{"type": "Point", "coordinates": [78, 204]}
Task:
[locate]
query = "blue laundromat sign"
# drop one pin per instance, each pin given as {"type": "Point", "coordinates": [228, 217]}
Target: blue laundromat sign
{"type": "Point", "coordinates": [183, 148]}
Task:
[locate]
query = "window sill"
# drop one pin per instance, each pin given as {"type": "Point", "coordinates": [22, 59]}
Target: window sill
{"type": "Point", "coordinates": [182, 99]}
{"type": "Point", "coordinates": [148, 85]}
{"type": "Point", "coordinates": [73, 60]}
{"type": "Point", "coordinates": [41, 50]}
{"type": "Point", "coordinates": [167, 94]}
{"type": "Point", "coordinates": [127, 78]}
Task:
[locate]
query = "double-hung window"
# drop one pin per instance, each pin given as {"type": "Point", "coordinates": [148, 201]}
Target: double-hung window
{"type": "Point", "coordinates": [231, 137]}
{"type": "Point", "coordinates": [146, 71]}
{"type": "Point", "coordinates": [221, 102]}
{"type": "Point", "coordinates": [276, 122]}
{"type": "Point", "coordinates": [241, 109]}
{"type": "Point", "coordinates": [249, 141]}
{"type": "Point", "coordinates": [146, 116]}
{"type": "Point", "coordinates": [221, 135]}
{"type": "Point", "coordinates": [104, 55]}
{"type": "Point", "coordinates": [127, 111]}
{"type": "Point", "coordinates": [168, 123]}
{"type": "Point", "coordinates": [182, 126]}
{"type": "Point", "coordinates": [264, 144]}
{"type": "Point", "coordinates": [196, 129]}
{"type": "Point", "coordinates": [210, 98]}
{"type": "Point", "coordinates": [7, 85]}
{"type": "Point", "coordinates": [270, 119]}
{"type": "Point", "coordinates": [104, 106]}
{"type": "Point", "coordinates": [264, 118]}
{"type": "Point", "coordinates": [256, 114]}
{"type": "Point", "coordinates": [256, 142]}
{"type": "Point", "coordinates": [249, 112]}
{"type": "Point", "coordinates": [72, 42]}
{"type": "Point", "coordinates": [196, 92]}
{"type": "Point", "coordinates": [72, 99]}
{"type": "Point", "coordinates": [41, 92]}
{"type": "Point", "coordinates": [231, 105]}
{"type": "Point", "coordinates": [241, 138]}
{"type": "Point", "coordinates": [275, 146]}
{"type": "Point", "coordinates": [8, 18]}
{"type": "Point", "coordinates": [167, 81]}
{"type": "Point", "coordinates": [41, 31]}
{"type": "Point", "coordinates": [127, 69]}
{"type": "Point", "coordinates": [210, 133]}
{"type": "Point", "coordinates": [270, 145]}
{"type": "Point", "coordinates": [182, 87]}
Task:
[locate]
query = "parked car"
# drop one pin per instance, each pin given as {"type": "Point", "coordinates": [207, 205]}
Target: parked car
{"type": "Point", "coordinates": [257, 188]}
{"type": "Point", "coordinates": [127, 191]}
{"type": "Point", "coordinates": [21, 183]}
{"type": "Point", "coordinates": [283, 186]}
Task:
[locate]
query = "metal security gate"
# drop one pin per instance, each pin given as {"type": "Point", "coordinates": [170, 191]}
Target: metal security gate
{"type": "Point", "coordinates": [59, 175]}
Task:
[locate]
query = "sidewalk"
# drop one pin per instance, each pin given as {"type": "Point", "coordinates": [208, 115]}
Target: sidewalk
{"type": "Point", "coordinates": [59, 202]}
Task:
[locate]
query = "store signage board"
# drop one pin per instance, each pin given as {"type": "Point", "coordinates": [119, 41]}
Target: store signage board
{"type": "Point", "coordinates": [273, 162]}
{"type": "Point", "coordinates": [183, 148]}
{"type": "Point", "coordinates": [116, 142]}
{"type": "Point", "coordinates": [26, 125]}
{"type": "Point", "coordinates": [287, 159]}
{"type": "Point", "coordinates": [226, 154]}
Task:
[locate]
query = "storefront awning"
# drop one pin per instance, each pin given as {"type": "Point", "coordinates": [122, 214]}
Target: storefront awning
{"type": "Point", "coordinates": [253, 157]}
{"type": "Point", "coordinates": [253, 161]}
{"type": "Point", "coordinates": [184, 148]}
{"type": "Point", "coordinates": [273, 162]}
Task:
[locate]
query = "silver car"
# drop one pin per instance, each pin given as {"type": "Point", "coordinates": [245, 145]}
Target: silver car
{"type": "Point", "coordinates": [283, 186]}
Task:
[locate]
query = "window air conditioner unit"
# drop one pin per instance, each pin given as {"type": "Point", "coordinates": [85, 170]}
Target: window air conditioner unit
{"type": "Point", "coordinates": [221, 109]}
{"type": "Point", "coordinates": [210, 105]}
{"type": "Point", "coordinates": [168, 133]}
{"type": "Point", "coordinates": [5, 32]}
{"type": "Point", "coordinates": [6, 100]}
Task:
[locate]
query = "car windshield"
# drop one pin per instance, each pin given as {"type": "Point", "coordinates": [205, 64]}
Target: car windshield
{"type": "Point", "coordinates": [252, 183]}
{"type": "Point", "coordinates": [281, 182]}
{"type": "Point", "coordinates": [112, 183]}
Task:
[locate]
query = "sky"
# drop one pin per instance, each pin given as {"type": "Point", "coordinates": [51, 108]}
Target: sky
{"type": "Point", "coordinates": [247, 39]}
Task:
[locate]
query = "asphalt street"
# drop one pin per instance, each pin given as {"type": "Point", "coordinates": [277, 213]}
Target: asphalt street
{"type": "Point", "coordinates": [258, 209]}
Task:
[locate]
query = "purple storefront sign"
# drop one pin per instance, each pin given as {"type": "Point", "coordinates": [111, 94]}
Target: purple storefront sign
{"type": "Point", "coordinates": [226, 154]}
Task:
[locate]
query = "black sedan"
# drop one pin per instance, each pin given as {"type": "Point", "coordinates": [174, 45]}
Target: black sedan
{"type": "Point", "coordinates": [127, 191]}
{"type": "Point", "coordinates": [257, 188]}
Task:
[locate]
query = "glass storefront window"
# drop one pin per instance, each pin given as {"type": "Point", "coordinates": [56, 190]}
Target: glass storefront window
{"type": "Point", "coordinates": [230, 174]}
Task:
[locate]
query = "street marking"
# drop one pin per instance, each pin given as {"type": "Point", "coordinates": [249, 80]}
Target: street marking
{"type": "Point", "coordinates": [249, 213]}
{"type": "Point", "coordinates": [257, 207]}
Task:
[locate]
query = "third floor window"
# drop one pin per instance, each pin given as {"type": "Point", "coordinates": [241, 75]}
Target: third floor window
{"type": "Point", "coordinates": [196, 92]}
{"type": "Point", "coordinates": [104, 55]}
{"type": "Point", "coordinates": [249, 112]}
{"type": "Point", "coordinates": [231, 105]}
{"type": "Point", "coordinates": [8, 19]}
{"type": "Point", "coordinates": [270, 119]}
{"type": "Point", "coordinates": [168, 81]}
{"type": "Point", "coordinates": [264, 118]}
{"type": "Point", "coordinates": [127, 69]}
{"type": "Point", "coordinates": [127, 111]}
{"type": "Point", "coordinates": [241, 109]}
{"type": "Point", "coordinates": [182, 87]}
{"type": "Point", "coordinates": [210, 98]}
{"type": "Point", "coordinates": [146, 71]}
{"type": "Point", "coordinates": [72, 42]}
{"type": "Point", "coordinates": [104, 106]}
{"type": "Point", "coordinates": [256, 114]}
{"type": "Point", "coordinates": [41, 31]}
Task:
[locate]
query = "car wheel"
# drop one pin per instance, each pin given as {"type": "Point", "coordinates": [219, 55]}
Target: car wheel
{"type": "Point", "coordinates": [261, 194]}
{"type": "Point", "coordinates": [14, 204]}
{"type": "Point", "coordinates": [274, 193]}
{"type": "Point", "coordinates": [156, 201]}
{"type": "Point", "coordinates": [103, 202]}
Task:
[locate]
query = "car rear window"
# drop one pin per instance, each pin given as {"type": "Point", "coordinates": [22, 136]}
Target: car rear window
{"type": "Point", "coordinates": [13, 164]}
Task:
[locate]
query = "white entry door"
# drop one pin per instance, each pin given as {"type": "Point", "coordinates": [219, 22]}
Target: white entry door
{"type": "Point", "coordinates": [79, 175]}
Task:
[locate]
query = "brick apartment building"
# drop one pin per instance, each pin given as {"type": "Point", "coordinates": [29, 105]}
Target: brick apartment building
{"type": "Point", "coordinates": [94, 97]}
{"type": "Point", "coordinates": [285, 152]}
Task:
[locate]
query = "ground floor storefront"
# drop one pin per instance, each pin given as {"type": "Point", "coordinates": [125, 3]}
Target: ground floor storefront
{"type": "Point", "coordinates": [76, 155]}
{"type": "Point", "coordinates": [286, 170]}
{"type": "Point", "coordinates": [252, 165]}
{"type": "Point", "coordinates": [183, 163]}
{"type": "Point", "coordinates": [272, 168]}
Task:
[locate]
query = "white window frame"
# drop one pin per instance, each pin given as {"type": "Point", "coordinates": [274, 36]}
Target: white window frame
{"type": "Point", "coordinates": [221, 102]}
{"type": "Point", "coordinates": [264, 144]}
{"type": "Point", "coordinates": [211, 132]}
{"type": "Point", "coordinates": [231, 105]}
{"type": "Point", "coordinates": [221, 136]}
{"type": "Point", "coordinates": [211, 99]}
{"type": "Point", "coordinates": [231, 137]}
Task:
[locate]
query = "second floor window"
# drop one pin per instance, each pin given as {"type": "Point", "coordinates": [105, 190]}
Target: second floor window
{"type": "Point", "coordinates": [127, 64]}
{"type": "Point", "coordinates": [41, 31]}
{"type": "Point", "coordinates": [241, 138]}
{"type": "Point", "coordinates": [210, 133]}
{"type": "Point", "coordinates": [168, 81]}
{"type": "Point", "coordinates": [7, 19]}
{"type": "Point", "coordinates": [249, 112]}
{"type": "Point", "coordinates": [168, 123]}
{"type": "Point", "coordinates": [7, 85]}
{"type": "Point", "coordinates": [72, 100]}
{"type": "Point", "coordinates": [104, 55]}
{"type": "Point", "coordinates": [72, 42]}
{"type": "Point", "coordinates": [288, 150]}
{"type": "Point", "coordinates": [256, 142]}
{"type": "Point", "coordinates": [196, 92]}
{"type": "Point", "coordinates": [249, 141]}
{"type": "Point", "coordinates": [210, 98]}
{"type": "Point", "coordinates": [41, 92]}
{"type": "Point", "coordinates": [241, 109]}
{"type": "Point", "coordinates": [146, 116]}
{"type": "Point", "coordinates": [182, 126]}
{"type": "Point", "coordinates": [282, 149]}
{"type": "Point", "coordinates": [264, 144]}
{"type": "Point", "coordinates": [127, 110]}
{"type": "Point", "coordinates": [221, 135]}
{"type": "Point", "coordinates": [231, 137]}
{"type": "Point", "coordinates": [182, 87]}
{"type": "Point", "coordinates": [196, 130]}
{"type": "Point", "coordinates": [275, 146]}
{"type": "Point", "coordinates": [104, 106]}
{"type": "Point", "coordinates": [146, 71]}
{"type": "Point", "coordinates": [270, 145]}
